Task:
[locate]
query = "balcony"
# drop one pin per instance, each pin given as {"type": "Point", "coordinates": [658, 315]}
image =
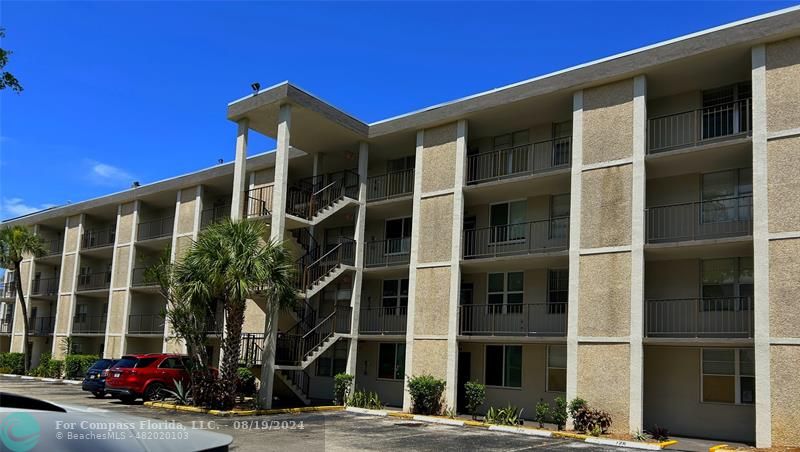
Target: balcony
{"type": "Point", "coordinates": [385, 253]}
{"type": "Point", "coordinates": [8, 290]}
{"type": "Point", "coordinates": [697, 127]}
{"type": "Point", "coordinates": [6, 324]}
{"type": "Point", "coordinates": [153, 229]}
{"type": "Point", "coordinates": [94, 281]}
{"type": "Point", "coordinates": [88, 324]}
{"type": "Point", "coordinates": [718, 218]}
{"type": "Point", "coordinates": [214, 215]}
{"type": "Point", "coordinates": [519, 161]}
{"type": "Point", "coordinates": [145, 324]}
{"type": "Point", "coordinates": [141, 277]}
{"type": "Point", "coordinates": [517, 239]}
{"type": "Point", "coordinates": [390, 185]}
{"type": "Point", "coordinates": [383, 321]}
{"type": "Point", "coordinates": [258, 202]}
{"type": "Point", "coordinates": [529, 320]}
{"type": "Point", "coordinates": [730, 317]}
{"type": "Point", "coordinates": [41, 326]}
{"type": "Point", "coordinates": [98, 238]}
{"type": "Point", "coordinates": [52, 247]}
{"type": "Point", "coordinates": [45, 287]}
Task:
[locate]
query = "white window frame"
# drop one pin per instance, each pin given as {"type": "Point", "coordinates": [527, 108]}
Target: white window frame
{"type": "Point", "coordinates": [378, 364]}
{"type": "Point", "coordinates": [505, 304]}
{"type": "Point", "coordinates": [503, 366]}
{"type": "Point", "coordinates": [547, 368]}
{"type": "Point", "coordinates": [737, 376]}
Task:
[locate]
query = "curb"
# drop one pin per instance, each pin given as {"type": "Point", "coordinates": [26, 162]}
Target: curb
{"type": "Point", "coordinates": [520, 430]}
{"type": "Point", "coordinates": [194, 409]}
{"type": "Point", "coordinates": [42, 379]}
{"type": "Point", "coordinates": [720, 448]}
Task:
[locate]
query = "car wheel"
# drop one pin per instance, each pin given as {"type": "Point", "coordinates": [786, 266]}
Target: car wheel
{"type": "Point", "coordinates": [127, 400]}
{"type": "Point", "coordinates": [99, 394]}
{"type": "Point", "coordinates": [153, 392]}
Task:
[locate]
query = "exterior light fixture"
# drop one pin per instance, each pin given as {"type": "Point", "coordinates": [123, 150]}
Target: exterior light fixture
{"type": "Point", "coordinates": [256, 86]}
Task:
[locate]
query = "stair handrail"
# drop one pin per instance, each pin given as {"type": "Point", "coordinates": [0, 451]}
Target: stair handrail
{"type": "Point", "coordinates": [335, 249]}
{"type": "Point", "coordinates": [312, 203]}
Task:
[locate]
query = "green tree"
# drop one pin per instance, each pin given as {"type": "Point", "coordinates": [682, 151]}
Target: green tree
{"type": "Point", "coordinates": [231, 262]}
{"type": "Point", "coordinates": [15, 243]}
{"type": "Point", "coordinates": [6, 79]}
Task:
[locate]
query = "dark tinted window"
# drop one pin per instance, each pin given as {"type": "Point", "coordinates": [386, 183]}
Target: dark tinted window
{"type": "Point", "coordinates": [126, 363]}
{"type": "Point", "coordinates": [102, 364]}
{"type": "Point", "coordinates": [144, 362]}
{"type": "Point", "coordinates": [171, 363]}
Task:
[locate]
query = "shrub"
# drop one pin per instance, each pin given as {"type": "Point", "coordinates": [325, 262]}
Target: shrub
{"type": "Point", "coordinates": [47, 367]}
{"type": "Point", "coordinates": [364, 399]}
{"type": "Point", "coordinates": [542, 411]}
{"type": "Point", "coordinates": [574, 405]}
{"type": "Point", "coordinates": [475, 395]}
{"type": "Point", "coordinates": [589, 420]}
{"type": "Point", "coordinates": [5, 370]}
{"type": "Point", "coordinates": [55, 368]}
{"type": "Point", "coordinates": [659, 433]}
{"type": "Point", "coordinates": [245, 382]}
{"type": "Point", "coordinates": [14, 362]}
{"type": "Point", "coordinates": [341, 387]}
{"type": "Point", "coordinates": [509, 415]}
{"type": "Point", "coordinates": [75, 366]}
{"type": "Point", "coordinates": [426, 394]}
{"type": "Point", "coordinates": [558, 414]}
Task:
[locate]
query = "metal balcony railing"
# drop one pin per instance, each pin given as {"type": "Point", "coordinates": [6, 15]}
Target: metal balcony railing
{"type": "Point", "coordinates": [141, 277]}
{"type": "Point", "coordinates": [89, 324]}
{"type": "Point", "coordinates": [291, 349]}
{"type": "Point", "coordinates": [390, 185]}
{"type": "Point", "coordinates": [695, 127]}
{"type": "Point", "coordinates": [96, 238]}
{"type": "Point", "coordinates": [383, 253]}
{"type": "Point", "coordinates": [45, 287]}
{"type": "Point", "coordinates": [8, 290]}
{"type": "Point", "coordinates": [727, 317]}
{"type": "Point", "coordinates": [390, 320]}
{"type": "Point", "coordinates": [53, 247]}
{"type": "Point", "coordinates": [215, 324]}
{"type": "Point", "coordinates": [214, 215]}
{"type": "Point", "coordinates": [145, 324]}
{"type": "Point", "coordinates": [717, 218]}
{"type": "Point", "coordinates": [6, 324]}
{"type": "Point", "coordinates": [530, 319]}
{"type": "Point", "coordinates": [519, 160]}
{"type": "Point", "coordinates": [343, 253]}
{"type": "Point", "coordinates": [304, 203]}
{"type": "Point", "coordinates": [250, 353]}
{"type": "Point", "coordinates": [94, 281]}
{"type": "Point", "coordinates": [258, 202]}
{"type": "Point", "coordinates": [514, 239]}
{"type": "Point", "coordinates": [153, 229]}
{"type": "Point", "coordinates": [41, 326]}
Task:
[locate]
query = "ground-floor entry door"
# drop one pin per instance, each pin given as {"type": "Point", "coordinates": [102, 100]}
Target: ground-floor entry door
{"type": "Point", "coordinates": [464, 366]}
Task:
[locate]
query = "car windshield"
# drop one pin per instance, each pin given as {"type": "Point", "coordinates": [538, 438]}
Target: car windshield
{"type": "Point", "coordinates": [102, 364]}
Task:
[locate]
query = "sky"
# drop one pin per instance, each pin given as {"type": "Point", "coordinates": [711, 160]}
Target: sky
{"type": "Point", "coordinates": [122, 91]}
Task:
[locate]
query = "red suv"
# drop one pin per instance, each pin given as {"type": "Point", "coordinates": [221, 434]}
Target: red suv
{"type": "Point", "coordinates": [144, 376]}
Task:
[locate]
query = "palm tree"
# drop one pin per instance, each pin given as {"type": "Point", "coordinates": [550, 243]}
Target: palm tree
{"type": "Point", "coordinates": [231, 262]}
{"type": "Point", "coordinates": [15, 243]}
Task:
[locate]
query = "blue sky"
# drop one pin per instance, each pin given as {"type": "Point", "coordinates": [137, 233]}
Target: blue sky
{"type": "Point", "coordinates": [123, 91]}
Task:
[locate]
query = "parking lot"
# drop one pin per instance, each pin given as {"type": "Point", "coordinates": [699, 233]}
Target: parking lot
{"type": "Point", "coordinates": [332, 431]}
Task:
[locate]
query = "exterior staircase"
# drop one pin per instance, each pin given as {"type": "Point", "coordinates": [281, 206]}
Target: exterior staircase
{"type": "Point", "coordinates": [298, 381]}
{"type": "Point", "coordinates": [309, 202]}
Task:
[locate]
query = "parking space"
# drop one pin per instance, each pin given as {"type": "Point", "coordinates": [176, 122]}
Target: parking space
{"type": "Point", "coordinates": [332, 431]}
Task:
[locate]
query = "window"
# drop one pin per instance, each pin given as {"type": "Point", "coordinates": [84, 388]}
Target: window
{"type": "Point", "coordinates": [392, 361]}
{"type": "Point", "coordinates": [728, 375]}
{"type": "Point", "coordinates": [727, 196]}
{"type": "Point", "coordinates": [508, 140]}
{"type": "Point", "coordinates": [727, 284]}
{"type": "Point", "coordinates": [557, 368]}
{"type": "Point", "coordinates": [81, 312]}
{"type": "Point", "coordinates": [395, 295]}
{"type": "Point", "coordinates": [172, 363]}
{"type": "Point", "coordinates": [562, 135]}
{"type": "Point", "coordinates": [505, 289]}
{"type": "Point", "coordinates": [504, 366]}
{"type": "Point", "coordinates": [559, 216]}
{"type": "Point", "coordinates": [400, 164]}
{"type": "Point", "coordinates": [506, 220]}
{"type": "Point", "coordinates": [557, 291]}
{"type": "Point", "coordinates": [333, 361]}
{"type": "Point", "coordinates": [725, 111]}
{"type": "Point", "coordinates": [398, 236]}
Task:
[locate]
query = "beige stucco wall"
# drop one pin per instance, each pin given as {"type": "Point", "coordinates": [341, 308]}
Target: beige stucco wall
{"type": "Point", "coordinates": [186, 210]}
{"type": "Point", "coordinates": [785, 368]}
{"type": "Point", "coordinates": [64, 319]}
{"type": "Point", "coordinates": [783, 187]}
{"type": "Point", "coordinates": [254, 318]}
{"type": "Point", "coordinates": [606, 207]}
{"type": "Point", "coordinates": [608, 122]}
{"type": "Point", "coordinates": [182, 246]}
{"type": "Point", "coordinates": [430, 357]}
{"type": "Point", "coordinates": [439, 158]}
{"type": "Point", "coordinates": [116, 312]}
{"type": "Point", "coordinates": [604, 380]}
{"type": "Point", "coordinates": [605, 288]}
{"type": "Point", "coordinates": [783, 91]}
{"type": "Point", "coordinates": [672, 399]}
{"type": "Point", "coordinates": [121, 267]}
{"type": "Point", "coordinates": [431, 309]}
{"type": "Point", "coordinates": [435, 223]}
{"type": "Point", "coordinates": [389, 391]}
{"type": "Point", "coordinates": [72, 235]}
{"type": "Point", "coordinates": [784, 287]}
{"type": "Point", "coordinates": [125, 226]}
{"type": "Point", "coordinates": [67, 273]}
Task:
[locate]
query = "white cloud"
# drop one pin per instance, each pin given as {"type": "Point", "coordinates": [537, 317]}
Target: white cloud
{"type": "Point", "coordinates": [109, 175]}
{"type": "Point", "coordinates": [15, 207]}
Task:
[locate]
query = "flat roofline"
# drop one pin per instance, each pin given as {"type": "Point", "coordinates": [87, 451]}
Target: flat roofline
{"type": "Point", "coordinates": [589, 73]}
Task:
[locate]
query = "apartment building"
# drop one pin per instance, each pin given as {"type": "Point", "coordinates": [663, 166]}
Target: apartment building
{"type": "Point", "coordinates": [626, 231]}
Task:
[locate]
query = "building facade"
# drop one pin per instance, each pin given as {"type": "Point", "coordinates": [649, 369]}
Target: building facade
{"type": "Point", "coordinates": [626, 231]}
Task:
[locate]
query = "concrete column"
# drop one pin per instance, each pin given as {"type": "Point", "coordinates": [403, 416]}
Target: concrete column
{"type": "Point", "coordinates": [277, 231]}
{"type": "Point", "coordinates": [361, 219]}
{"type": "Point", "coordinates": [761, 258]}
{"type": "Point", "coordinates": [119, 295]}
{"type": "Point", "coordinates": [638, 193]}
{"type": "Point", "coordinates": [70, 267]}
{"type": "Point", "coordinates": [240, 170]}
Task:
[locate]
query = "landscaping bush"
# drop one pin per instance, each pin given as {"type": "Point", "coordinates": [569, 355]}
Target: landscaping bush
{"type": "Point", "coordinates": [48, 368]}
{"type": "Point", "coordinates": [245, 382]}
{"type": "Point", "coordinates": [341, 388]}
{"type": "Point", "coordinates": [558, 414]}
{"type": "Point", "coordinates": [542, 411]}
{"type": "Point", "coordinates": [364, 399]}
{"type": "Point", "coordinates": [659, 433]}
{"type": "Point", "coordinates": [475, 395]}
{"type": "Point", "coordinates": [75, 366]}
{"type": "Point", "coordinates": [586, 419]}
{"type": "Point", "coordinates": [509, 415]}
{"type": "Point", "coordinates": [13, 362]}
{"type": "Point", "coordinates": [426, 394]}
{"type": "Point", "coordinates": [55, 368]}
